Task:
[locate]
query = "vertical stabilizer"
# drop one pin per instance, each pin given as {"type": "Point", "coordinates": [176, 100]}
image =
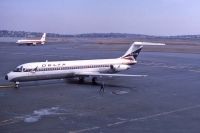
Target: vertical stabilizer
{"type": "Point", "coordinates": [132, 52]}
{"type": "Point", "coordinates": [135, 48]}
{"type": "Point", "coordinates": [43, 39]}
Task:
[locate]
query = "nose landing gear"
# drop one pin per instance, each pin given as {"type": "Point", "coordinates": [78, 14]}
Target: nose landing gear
{"type": "Point", "coordinates": [16, 85]}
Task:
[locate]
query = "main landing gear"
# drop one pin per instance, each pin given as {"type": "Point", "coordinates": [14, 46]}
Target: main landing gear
{"type": "Point", "coordinates": [81, 79]}
{"type": "Point", "coordinates": [102, 86]}
{"type": "Point", "coordinates": [94, 80]}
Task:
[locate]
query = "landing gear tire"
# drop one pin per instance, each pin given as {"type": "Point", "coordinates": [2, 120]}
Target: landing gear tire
{"type": "Point", "coordinates": [16, 85]}
{"type": "Point", "coordinates": [81, 79]}
{"type": "Point", "coordinates": [94, 80]}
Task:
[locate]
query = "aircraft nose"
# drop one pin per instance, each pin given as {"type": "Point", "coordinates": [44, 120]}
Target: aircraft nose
{"type": "Point", "coordinates": [6, 77]}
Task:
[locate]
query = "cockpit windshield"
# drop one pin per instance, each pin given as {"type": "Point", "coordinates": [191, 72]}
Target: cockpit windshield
{"type": "Point", "coordinates": [18, 69]}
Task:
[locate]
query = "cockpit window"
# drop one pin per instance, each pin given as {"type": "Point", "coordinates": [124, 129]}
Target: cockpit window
{"type": "Point", "coordinates": [18, 69]}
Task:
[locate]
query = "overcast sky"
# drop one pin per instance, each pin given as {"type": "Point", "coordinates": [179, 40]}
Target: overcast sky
{"type": "Point", "coordinates": [152, 17]}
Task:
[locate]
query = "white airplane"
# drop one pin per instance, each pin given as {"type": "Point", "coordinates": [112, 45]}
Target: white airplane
{"type": "Point", "coordinates": [80, 68]}
{"type": "Point", "coordinates": [33, 42]}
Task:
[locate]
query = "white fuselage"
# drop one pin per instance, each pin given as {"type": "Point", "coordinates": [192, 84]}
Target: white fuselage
{"type": "Point", "coordinates": [66, 69]}
{"type": "Point", "coordinates": [79, 68]}
{"type": "Point", "coordinates": [34, 42]}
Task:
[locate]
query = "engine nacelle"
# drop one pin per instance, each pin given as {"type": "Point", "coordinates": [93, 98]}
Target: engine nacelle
{"type": "Point", "coordinates": [117, 68]}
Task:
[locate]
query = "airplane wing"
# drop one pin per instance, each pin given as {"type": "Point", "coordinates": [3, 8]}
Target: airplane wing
{"type": "Point", "coordinates": [106, 74]}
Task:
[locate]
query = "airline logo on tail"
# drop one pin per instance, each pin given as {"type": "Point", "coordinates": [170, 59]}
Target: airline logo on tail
{"type": "Point", "coordinates": [132, 52]}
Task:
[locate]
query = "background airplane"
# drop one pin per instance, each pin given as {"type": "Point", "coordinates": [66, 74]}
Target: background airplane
{"type": "Point", "coordinates": [33, 42]}
{"type": "Point", "coordinates": [78, 68]}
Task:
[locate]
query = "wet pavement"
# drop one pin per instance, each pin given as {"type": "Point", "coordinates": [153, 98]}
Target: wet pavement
{"type": "Point", "coordinates": [167, 100]}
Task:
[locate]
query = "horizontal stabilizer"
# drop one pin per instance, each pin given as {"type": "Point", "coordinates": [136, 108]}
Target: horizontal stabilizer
{"type": "Point", "coordinates": [147, 43]}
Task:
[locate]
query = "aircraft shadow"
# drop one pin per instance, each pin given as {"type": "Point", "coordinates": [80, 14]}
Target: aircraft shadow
{"type": "Point", "coordinates": [75, 81]}
{"type": "Point", "coordinates": [70, 81]}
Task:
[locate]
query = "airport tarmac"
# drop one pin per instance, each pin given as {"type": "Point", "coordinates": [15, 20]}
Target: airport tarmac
{"type": "Point", "coordinates": [166, 101]}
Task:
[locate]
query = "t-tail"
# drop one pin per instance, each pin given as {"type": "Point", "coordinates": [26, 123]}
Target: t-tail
{"type": "Point", "coordinates": [43, 39]}
{"type": "Point", "coordinates": [135, 48]}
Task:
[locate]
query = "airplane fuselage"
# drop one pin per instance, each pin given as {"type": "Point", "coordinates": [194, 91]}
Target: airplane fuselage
{"type": "Point", "coordinates": [34, 42]}
{"type": "Point", "coordinates": [66, 69]}
{"type": "Point", "coordinates": [79, 68]}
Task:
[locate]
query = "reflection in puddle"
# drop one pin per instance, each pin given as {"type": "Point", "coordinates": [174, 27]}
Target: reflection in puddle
{"type": "Point", "coordinates": [119, 92]}
{"type": "Point", "coordinates": [38, 114]}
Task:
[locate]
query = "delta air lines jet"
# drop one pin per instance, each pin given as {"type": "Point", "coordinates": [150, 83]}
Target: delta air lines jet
{"type": "Point", "coordinates": [78, 68]}
{"type": "Point", "coordinates": [33, 42]}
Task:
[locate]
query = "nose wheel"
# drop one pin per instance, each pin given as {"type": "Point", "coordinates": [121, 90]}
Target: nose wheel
{"type": "Point", "coordinates": [16, 84]}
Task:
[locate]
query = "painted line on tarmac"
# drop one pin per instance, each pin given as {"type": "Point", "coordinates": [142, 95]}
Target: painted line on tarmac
{"type": "Point", "coordinates": [9, 121]}
{"type": "Point", "coordinates": [137, 119]}
{"type": "Point", "coordinates": [154, 115]}
{"type": "Point", "coordinates": [7, 86]}
{"type": "Point", "coordinates": [197, 71]}
{"type": "Point", "coordinates": [19, 53]}
{"type": "Point", "coordinates": [84, 130]}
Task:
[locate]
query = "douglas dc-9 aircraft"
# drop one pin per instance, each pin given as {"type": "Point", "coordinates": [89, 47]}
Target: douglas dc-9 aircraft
{"type": "Point", "coordinates": [80, 68]}
{"type": "Point", "coordinates": [33, 42]}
